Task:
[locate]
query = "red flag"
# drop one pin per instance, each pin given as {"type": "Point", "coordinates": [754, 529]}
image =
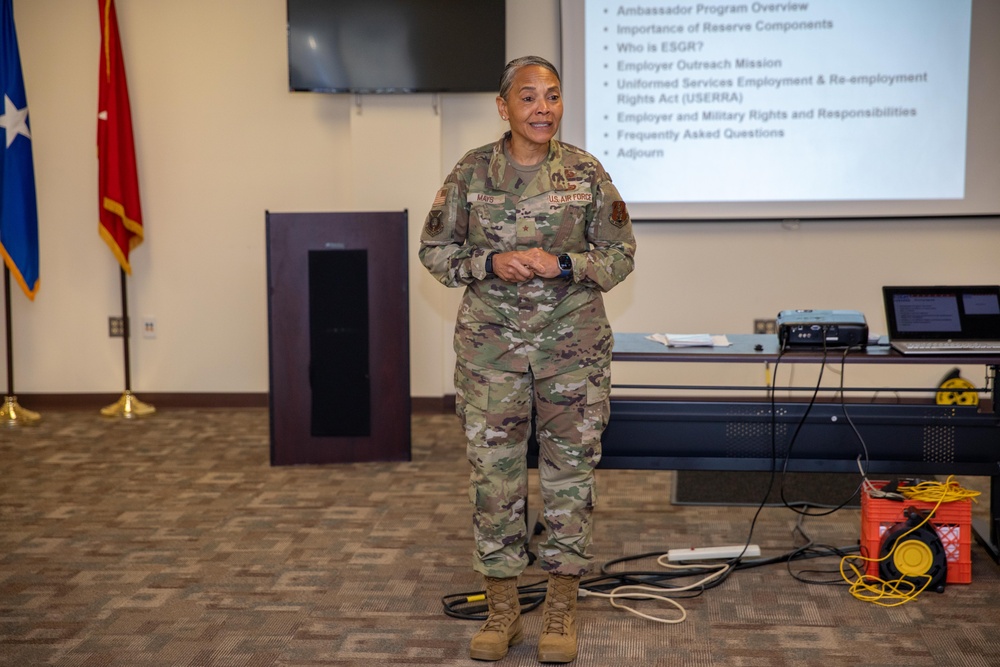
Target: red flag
{"type": "Point", "coordinates": [120, 212]}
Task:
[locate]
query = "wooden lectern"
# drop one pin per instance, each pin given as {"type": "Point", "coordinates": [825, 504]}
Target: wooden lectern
{"type": "Point", "coordinates": [338, 337]}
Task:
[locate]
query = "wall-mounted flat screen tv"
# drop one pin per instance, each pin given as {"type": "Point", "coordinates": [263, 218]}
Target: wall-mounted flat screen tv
{"type": "Point", "coordinates": [395, 46]}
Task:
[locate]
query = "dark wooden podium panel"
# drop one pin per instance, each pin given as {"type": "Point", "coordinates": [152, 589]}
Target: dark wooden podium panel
{"type": "Point", "coordinates": [338, 337]}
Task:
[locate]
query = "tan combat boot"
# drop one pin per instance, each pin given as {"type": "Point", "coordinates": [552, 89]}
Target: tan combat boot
{"type": "Point", "coordinates": [502, 628]}
{"type": "Point", "coordinates": [558, 640]}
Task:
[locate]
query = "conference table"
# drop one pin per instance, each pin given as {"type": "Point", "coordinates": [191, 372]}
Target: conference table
{"type": "Point", "coordinates": [746, 427]}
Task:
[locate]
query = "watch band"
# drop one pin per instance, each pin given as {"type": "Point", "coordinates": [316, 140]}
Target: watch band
{"type": "Point", "coordinates": [489, 263]}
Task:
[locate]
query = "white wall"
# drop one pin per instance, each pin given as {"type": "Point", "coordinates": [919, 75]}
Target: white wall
{"type": "Point", "coordinates": [220, 141]}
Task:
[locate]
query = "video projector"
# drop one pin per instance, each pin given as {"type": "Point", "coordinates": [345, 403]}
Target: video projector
{"type": "Point", "coordinates": [822, 328]}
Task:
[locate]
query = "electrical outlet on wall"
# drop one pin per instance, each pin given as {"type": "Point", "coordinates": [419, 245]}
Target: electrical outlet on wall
{"type": "Point", "coordinates": [765, 326]}
{"type": "Point", "coordinates": [116, 326]}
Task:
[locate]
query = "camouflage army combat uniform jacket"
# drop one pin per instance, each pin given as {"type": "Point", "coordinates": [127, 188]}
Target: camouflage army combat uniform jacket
{"type": "Point", "coordinates": [549, 325]}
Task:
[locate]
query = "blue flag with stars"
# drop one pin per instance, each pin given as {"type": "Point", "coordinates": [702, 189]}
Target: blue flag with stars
{"type": "Point", "coordinates": [18, 208]}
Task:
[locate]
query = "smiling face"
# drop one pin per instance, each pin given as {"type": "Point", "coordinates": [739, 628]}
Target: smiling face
{"type": "Point", "coordinates": [533, 106]}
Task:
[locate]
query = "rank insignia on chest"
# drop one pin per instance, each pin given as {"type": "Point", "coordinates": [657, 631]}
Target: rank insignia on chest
{"type": "Point", "coordinates": [433, 226]}
{"type": "Point", "coordinates": [619, 213]}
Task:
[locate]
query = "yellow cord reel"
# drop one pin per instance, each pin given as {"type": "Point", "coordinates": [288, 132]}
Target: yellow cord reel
{"type": "Point", "coordinates": [911, 552]}
{"type": "Point", "coordinates": [956, 390]}
{"type": "Point", "coordinates": [912, 558]}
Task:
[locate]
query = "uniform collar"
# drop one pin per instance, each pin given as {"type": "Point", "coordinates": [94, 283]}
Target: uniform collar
{"type": "Point", "coordinates": [503, 176]}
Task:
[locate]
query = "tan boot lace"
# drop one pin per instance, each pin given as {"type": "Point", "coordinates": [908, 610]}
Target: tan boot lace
{"type": "Point", "coordinates": [504, 605]}
{"type": "Point", "coordinates": [556, 622]}
{"type": "Point", "coordinates": [561, 605]}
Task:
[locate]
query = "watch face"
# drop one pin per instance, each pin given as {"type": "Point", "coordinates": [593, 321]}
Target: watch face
{"type": "Point", "coordinates": [565, 263]}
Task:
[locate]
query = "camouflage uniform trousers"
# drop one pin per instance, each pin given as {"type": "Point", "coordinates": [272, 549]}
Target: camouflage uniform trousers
{"type": "Point", "coordinates": [571, 411]}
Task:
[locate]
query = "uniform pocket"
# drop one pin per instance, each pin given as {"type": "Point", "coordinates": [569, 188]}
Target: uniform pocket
{"type": "Point", "coordinates": [471, 389]}
{"type": "Point", "coordinates": [598, 409]}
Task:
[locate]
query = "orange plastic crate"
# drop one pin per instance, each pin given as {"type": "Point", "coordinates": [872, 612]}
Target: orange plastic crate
{"type": "Point", "coordinates": [952, 521]}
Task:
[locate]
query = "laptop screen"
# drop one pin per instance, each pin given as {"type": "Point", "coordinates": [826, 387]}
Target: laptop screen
{"type": "Point", "coordinates": [943, 312]}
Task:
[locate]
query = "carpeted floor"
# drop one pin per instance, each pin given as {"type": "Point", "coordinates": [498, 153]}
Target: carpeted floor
{"type": "Point", "coordinates": [172, 541]}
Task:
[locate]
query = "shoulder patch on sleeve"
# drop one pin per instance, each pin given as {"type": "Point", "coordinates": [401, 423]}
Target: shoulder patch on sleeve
{"type": "Point", "coordinates": [619, 213]}
{"type": "Point", "coordinates": [433, 225]}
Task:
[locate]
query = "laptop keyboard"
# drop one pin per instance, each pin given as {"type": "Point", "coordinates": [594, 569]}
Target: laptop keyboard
{"type": "Point", "coordinates": [953, 346]}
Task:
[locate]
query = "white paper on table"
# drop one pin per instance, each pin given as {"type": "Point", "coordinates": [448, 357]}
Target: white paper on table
{"type": "Point", "coordinates": [691, 340]}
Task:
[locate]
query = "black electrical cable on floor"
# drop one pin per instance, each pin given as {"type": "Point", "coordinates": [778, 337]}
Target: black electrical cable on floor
{"type": "Point", "coordinates": [471, 605]}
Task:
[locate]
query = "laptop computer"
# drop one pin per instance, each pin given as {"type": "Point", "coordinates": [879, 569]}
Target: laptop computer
{"type": "Point", "coordinates": [943, 319]}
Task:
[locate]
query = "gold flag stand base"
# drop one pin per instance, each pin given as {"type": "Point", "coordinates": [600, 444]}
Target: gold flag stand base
{"type": "Point", "coordinates": [12, 414]}
{"type": "Point", "coordinates": [128, 407]}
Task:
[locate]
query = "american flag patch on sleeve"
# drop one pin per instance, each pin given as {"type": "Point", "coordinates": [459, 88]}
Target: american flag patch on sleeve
{"type": "Point", "coordinates": [440, 197]}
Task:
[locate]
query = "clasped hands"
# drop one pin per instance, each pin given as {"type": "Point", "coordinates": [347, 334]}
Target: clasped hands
{"type": "Point", "coordinates": [517, 266]}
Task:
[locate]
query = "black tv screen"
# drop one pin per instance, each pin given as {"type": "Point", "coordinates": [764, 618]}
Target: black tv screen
{"type": "Point", "coordinates": [395, 46]}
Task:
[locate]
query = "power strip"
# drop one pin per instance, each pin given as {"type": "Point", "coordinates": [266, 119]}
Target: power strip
{"type": "Point", "coordinates": [712, 553]}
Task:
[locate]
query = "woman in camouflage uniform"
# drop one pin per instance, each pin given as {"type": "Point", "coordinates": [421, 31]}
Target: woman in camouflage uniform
{"type": "Point", "coordinates": [535, 231]}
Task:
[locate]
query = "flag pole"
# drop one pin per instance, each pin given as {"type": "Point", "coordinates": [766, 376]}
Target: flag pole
{"type": "Point", "coordinates": [12, 414]}
{"type": "Point", "coordinates": [128, 406]}
{"type": "Point", "coordinates": [118, 184]}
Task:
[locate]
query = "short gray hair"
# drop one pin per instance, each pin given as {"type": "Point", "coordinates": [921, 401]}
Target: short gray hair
{"type": "Point", "coordinates": [510, 71]}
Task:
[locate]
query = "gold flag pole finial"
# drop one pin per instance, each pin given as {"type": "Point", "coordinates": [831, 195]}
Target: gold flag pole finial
{"type": "Point", "coordinates": [128, 407]}
{"type": "Point", "coordinates": [12, 414]}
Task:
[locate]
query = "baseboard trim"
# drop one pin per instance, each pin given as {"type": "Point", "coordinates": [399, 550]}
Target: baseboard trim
{"type": "Point", "coordinates": [433, 404]}
{"type": "Point", "coordinates": [42, 401]}
{"type": "Point", "coordinates": [158, 400]}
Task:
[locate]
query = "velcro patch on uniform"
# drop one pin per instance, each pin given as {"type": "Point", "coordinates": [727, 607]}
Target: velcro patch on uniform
{"type": "Point", "coordinates": [556, 198]}
{"type": "Point", "coordinates": [481, 198]}
{"type": "Point", "coordinates": [440, 197]}
{"type": "Point", "coordinates": [433, 226]}
{"type": "Point", "coordinates": [619, 213]}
